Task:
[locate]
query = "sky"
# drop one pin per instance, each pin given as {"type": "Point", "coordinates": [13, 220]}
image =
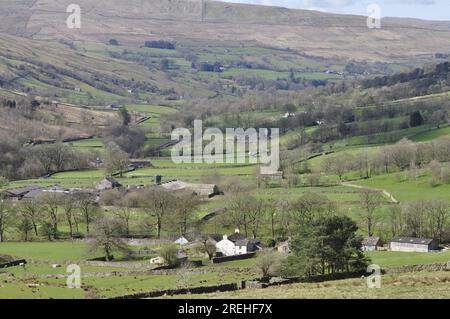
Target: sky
{"type": "Point", "coordinates": [422, 9]}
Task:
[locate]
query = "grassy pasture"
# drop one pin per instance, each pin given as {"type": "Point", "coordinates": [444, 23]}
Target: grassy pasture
{"type": "Point", "coordinates": [389, 259]}
{"type": "Point", "coordinates": [423, 285]}
{"type": "Point", "coordinates": [406, 189]}
{"type": "Point", "coordinates": [55, 251]}
{"type": "Point", "coordinates": [15, 281]}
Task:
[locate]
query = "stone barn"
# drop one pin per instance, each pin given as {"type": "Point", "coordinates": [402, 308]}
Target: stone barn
{"type": "Point", "coordinates": [371, 243]}
{"type": "Point", "coordinates": [205, 190]}
{"type": "Point", "coordinates": [413, 244]}
{"type": "Point", "coordinates": [108, 183]}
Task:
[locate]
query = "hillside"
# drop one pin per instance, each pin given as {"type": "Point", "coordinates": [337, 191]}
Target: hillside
{"type": "Point", "coordinates": [308, 32]}
{"type": "Point", "coordinates": [364, 118]}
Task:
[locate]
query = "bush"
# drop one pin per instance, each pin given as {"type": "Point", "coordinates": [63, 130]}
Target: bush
{"type": "Point", "coordinates": [271, 243]}
{"type": "Point", "coordinates": [433, 182]}
{"type": "Point", "coordinates": [113, 42]}
{"type": "Point", "coordinates": [269, 263]}
{"type": "Point", "coordinates": [108, 198]}
{"type": "Point", "coordinates": [170, 255]}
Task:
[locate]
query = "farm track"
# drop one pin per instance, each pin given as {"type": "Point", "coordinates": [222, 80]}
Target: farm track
{"type": "Point", "coordinates": [385, 192]}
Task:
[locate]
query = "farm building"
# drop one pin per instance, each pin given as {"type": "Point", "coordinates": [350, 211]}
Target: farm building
{"type": "Point", "coordinates": [108, 183]}
{"type": "Point", "coordinates": [30, 192]}
{"type": "Point", "coordinates": [236, 244]}
{"type": "Point", "coordinates": [412, 244]}
{"type": "Point", "coordinates": [18, 193]}
{"type": "Point", "coordinates": [140, 164]}
{"type": "Point", "coordinates": [269, 173]}
{"type": "Point", "coordinates": [371, 243]}
{"type": "Point", "coordinates": [228, 248]}
{"type": "Point", "coordinates": [288, 115]}
{"type": "Point", "coordinates": [181, 241]}
{"type": "Point", "coordinates": [208, 190]}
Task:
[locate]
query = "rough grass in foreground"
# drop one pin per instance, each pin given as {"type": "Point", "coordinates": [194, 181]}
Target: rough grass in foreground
{"type": "Point", "coordinates": [423, 285]}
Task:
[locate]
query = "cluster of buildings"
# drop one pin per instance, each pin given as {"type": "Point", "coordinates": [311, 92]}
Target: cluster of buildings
{"type": "Point", "coordinates": [401, 244]}
{"type": "Point", "coordinates": [203, 190]}
{"type": "Point", "coordinates": [229, 245]}
{"type": "Point", "coordinates": [236, 244]}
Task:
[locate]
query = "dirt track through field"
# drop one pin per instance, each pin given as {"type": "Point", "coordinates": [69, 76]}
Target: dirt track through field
{"type": "Point", "coordinates": [385, 192]}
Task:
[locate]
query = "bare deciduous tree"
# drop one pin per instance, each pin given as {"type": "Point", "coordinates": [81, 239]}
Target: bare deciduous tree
{"type": "Point", "coordinates": [6, 217]}
{"type": "Point", "coordinates": [157, 203]}
{"type": "Point", "coordinates": [207, 246]}
{"type": "Point", "coordinates": [269, 263]}
{"type": "Point", "coordinates": [50, 203]}
{"type": "Point", "coordinates": [185, 204]}
{"type": "Point", "coordinates": [370, 200]}
{"type": "Point", "coordinates": [106, 237]}
{"type": "Point", "coordinates": [116, 160]}
{"type": "Point", "coordinates": [85, 203]}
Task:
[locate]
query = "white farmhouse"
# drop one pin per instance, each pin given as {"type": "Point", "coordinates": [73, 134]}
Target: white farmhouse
{"type": "Point", "coordinates": [227, 248]}
{"type": "Point", "coordinates": [236, 244]}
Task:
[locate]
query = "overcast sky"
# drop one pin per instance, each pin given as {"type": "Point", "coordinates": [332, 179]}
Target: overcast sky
{"type": "Point", "coordinates": [423, 9]}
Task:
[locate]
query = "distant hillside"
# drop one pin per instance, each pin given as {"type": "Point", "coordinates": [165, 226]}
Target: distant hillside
{"type": "Point", "coordinates": [309, 32]}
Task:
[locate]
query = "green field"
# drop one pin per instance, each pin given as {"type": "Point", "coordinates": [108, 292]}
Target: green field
{"type": "Point", "coordinates": [390, 259]}
{"type": "Point", "coordinates": [407, 189]}
{"type": "Point", "coordinates": [95, 284]}
{"type": "Point", "coordinates": [426, 285]}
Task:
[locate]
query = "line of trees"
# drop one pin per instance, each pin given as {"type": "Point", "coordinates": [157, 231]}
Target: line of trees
{"type": "Point", "coordinates": [160, 210]}
{"type": "Point", "coordinates": [398, 157]}
{"type": "Point", "coordinates": [42, 216]}
{"type": "Point", "coordinates": [21, 162]}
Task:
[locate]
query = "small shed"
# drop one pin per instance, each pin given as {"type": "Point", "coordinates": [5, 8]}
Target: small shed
{"type": "Point", "coordinates": [413, 244]}
{"type": "Point", "coordinates": [157, 261]}
{"type": "Point", "coordinates": [181, 241]}
{"type": "Point", "coordinates": [371, 243]}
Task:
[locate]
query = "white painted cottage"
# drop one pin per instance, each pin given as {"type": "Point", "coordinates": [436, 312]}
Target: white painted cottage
{"type": "Point", "coordinates": [229, 248]}
{"type": "Point", "coordinates": [237, 244]}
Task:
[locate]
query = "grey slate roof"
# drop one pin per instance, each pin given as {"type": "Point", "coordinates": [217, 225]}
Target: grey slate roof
{"type": "Point", "coordinates": [236, 237]}
{"type": "Point", "coordinates": [240, 243]}
{"type": "Point", "coordinates": [371, 241]}
{"type": "Point", "coordinates": [34, 193]}
{"type": "Point", "coordinates": [20, 191]}
{"type": "Point", "coordinates": [412, 240]}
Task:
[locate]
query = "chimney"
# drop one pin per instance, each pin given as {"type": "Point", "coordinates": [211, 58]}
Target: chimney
{"type": "Point", "coordinates": [225, 237]}
{"type": "Point", "coordinates": [237, 231]}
